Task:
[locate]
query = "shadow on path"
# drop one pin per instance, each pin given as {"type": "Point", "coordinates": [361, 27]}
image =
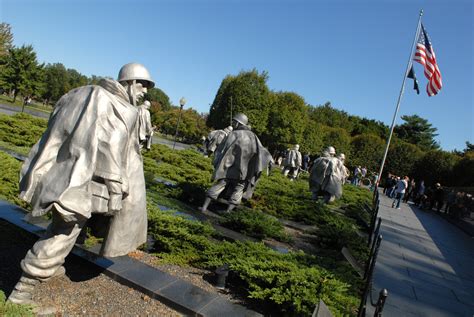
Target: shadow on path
{"type": "Point", "coordinates": [426, 263]}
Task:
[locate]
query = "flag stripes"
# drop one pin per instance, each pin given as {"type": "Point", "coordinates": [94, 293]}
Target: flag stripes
{"type": "Point", "coordinates": [425, 55]}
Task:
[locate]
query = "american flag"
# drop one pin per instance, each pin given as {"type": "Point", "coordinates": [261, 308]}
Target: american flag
{"type": "Point", "coordinates": [425, 55]}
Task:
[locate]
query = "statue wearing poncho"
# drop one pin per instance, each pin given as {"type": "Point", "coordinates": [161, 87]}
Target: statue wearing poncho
{"type": "Point", "coordinates": [89, 152]}
{"type": "Point", "coordinates": [326, 177]}
{"type": "Point", "coordinates": [239, 161]}
{"type": "Point", "coordinates": [215, 138]}
{"type": "Point", "coordinates": [87, 161]}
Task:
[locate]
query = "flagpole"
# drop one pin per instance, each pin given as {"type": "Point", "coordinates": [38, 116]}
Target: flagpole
{"type": "Point", "coordinates": [410, 62]}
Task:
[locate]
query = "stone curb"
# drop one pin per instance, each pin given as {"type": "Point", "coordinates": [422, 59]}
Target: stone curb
{"type": "Point", "coordinates": [173, 292]}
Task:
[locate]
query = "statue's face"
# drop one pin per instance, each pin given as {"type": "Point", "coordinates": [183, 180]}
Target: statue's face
{"type": "Point", "coordinates": [140, 90]}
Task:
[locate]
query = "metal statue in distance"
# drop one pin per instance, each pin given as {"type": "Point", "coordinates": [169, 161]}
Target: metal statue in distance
{"type": "Point", "coordinates": [215, 138]}
{"type": "Point", "coordinates": [145, 128]}
{"type": "Point", "coordinates": [292, 163]}
{"type": "Point", "coordinates": [326, 176]}
{"type": "Point", "coordinates": [87, 161]}
{"type": "Point", "coordinates": [238, 163]}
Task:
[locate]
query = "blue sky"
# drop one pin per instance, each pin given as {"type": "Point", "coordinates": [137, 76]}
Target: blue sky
{"type": "Point", "coordinates": [351, 53]}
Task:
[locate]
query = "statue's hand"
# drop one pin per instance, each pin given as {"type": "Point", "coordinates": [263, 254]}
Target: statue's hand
{"type": "Point", "coordinates": [115, 203]}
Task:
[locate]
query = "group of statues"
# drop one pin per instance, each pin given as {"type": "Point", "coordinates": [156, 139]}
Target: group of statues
{"type": "Point", "coordinates": [87, 168]}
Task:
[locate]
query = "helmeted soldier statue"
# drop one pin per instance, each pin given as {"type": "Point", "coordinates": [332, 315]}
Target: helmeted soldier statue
{"type": "Point", "coordinates": [344, 171]}
{"type": "Point", "coordinates": [145, 128]}
{"type": "Point", "coordinates": [333, 179]}
{"type": "Point", "coordinates": [238, 163]}
{"type": "Point", "coordinates": [318, 178]}
{"type": "Point", "coordinates": [215, 138]}
{"type": "Point", "coordinates": [87, 161]}
{"type": "Point", "coordinates": [292, 163]}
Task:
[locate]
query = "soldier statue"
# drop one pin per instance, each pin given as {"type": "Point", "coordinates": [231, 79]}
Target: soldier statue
{"type": "Point", "coordinates": [214, 139]}
{"type": "Point", "coordinates": [87, 161]}
{"type": "Point", "coordinates": [292, 163]}
{"type": "Point", "coordinates": [145, 128]}
{"type": "Point", "coordinates": [332, 183]}
{"type": "Point", "coordinates": [238, 163]}
{"type": "Point", "coordinates": [325, 176]}
{"type": "Point", "coordinates": [344, 171]}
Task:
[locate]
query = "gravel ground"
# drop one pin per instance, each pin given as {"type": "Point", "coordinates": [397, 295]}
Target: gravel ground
{"type": "Point", "coordinates": [83, 291]}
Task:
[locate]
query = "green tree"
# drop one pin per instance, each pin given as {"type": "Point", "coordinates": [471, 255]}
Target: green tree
{"type": "Point", "coordinates": [56, 79]}
{"type": "Point", "coordinates": [463, 171]}
{"type": "Point", "coordinates": [366, 150]}
{"type": "Point", "coordinates": [313, 138]}
{"type": "Point", "coordinates": [402, 158]}
{"type": "Point", "coordinates": [248, 93]}
{"type": "Point", "coordinates": [6, 40]}
{"type": "Point", "coordinates": [287, 120]}
{"type": "Point", "coordinates": [159, 96]}
{"type": "Point", "coordinates": [339, 138]}
{"type": "Point", "coordinates": [328, 116]}
{"type": "Point", "coordinates": [75, 79]}
{"type": "Point", "coordinates": [192, 125]}
{"type": "Point", "coordinates": [369, 126]}
{"type": "Point", "coordinates": [22, 73]}
{"type": "Point", "coordinates": [418, 131]}
{"type": "Point", "coordinates": [435, 166]}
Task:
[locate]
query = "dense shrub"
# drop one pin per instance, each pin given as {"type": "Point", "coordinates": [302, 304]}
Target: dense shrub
{"type": "Point", "coordinates": [9, 179]}
{"type": "Point", "coordinates": [255, 224]}
{"type": "Point", "coordinates": [21, 130]}
{"type": "Point", "coordinates": [8, 309]}
{"type": "Point", "coordinates": [290, 283]}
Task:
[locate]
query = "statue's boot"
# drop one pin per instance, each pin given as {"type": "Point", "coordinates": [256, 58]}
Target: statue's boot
{"type": "Point", "coordinates": [206, 204]}
{"type": "Point", "coordinates": [61, 271]}
{"type": "Point", "coordinates": [230, 207]}
{"type": "Point", "coordinates": [23, 291]}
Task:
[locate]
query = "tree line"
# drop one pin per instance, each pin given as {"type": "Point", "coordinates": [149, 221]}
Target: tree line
{"type": "Point", "coordinates": [279, 118]}
{"type": "Point", "coordinates": [22, 75]}
{"type": "Point", "coordinates": [282, 119]}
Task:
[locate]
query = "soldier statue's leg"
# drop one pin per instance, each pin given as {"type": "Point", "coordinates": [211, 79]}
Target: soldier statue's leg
{"type": "Point", "coordinates": [213, 193]}
{"type": "Point", "coordinates": [285, 171]}
{"type": "Point", "coordinates": [236, 197]}
{"type": "Point", "coordinates": [45, 259]}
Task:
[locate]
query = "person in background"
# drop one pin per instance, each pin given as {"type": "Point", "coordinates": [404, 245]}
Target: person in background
{"type": "Point", "coordinates": [438, 197]}
{"type": "Point", "coordinates": [400, 191]}
{"type": "Point", "coordinates": [451, 199]}
{"type": "Point", "coordinates": [357, 176]}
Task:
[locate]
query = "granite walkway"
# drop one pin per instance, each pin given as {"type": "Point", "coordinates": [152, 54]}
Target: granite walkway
{"type": "Point", "coordinates": [425, 262]}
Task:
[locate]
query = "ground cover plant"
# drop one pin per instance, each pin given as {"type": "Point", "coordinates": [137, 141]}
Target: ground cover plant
{"type": "Point", "coordinates": [8, 309]}
{"type": "Point", "coordinates": [290, 283]}
{"type": "Point", "coordinates": [20, 132]}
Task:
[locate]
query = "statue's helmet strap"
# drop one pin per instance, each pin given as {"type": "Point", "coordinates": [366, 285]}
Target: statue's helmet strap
{"type": "Point", "coordinates": [241, 118]}
{"type": "Point", "coordinates": [135, 71]}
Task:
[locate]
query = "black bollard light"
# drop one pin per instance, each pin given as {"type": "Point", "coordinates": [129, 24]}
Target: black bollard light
{"type": "Point", "coordinates": [221, 276]}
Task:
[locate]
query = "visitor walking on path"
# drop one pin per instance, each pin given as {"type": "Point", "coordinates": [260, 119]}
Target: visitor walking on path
{"type": "Point", "coordinates": [400, 191]}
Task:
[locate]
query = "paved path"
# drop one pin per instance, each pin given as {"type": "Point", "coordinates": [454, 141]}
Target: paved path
{"type": "Point", "coordinates": [426, 263]}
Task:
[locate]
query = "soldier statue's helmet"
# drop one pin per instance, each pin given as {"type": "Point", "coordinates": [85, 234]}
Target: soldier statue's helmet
{"type": "Point", "coordinates": [135, 71]}
{"type": "Point", "coordinates": [297, 146]}
{"type": "Point", "coordinates": [241, 118]}
{"type": "Point", "coordinates": [147, 104]}
{"type": "Point", "coordinates": [342, 156]}
{"type": "Point", "coordinates": [331, 150]}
